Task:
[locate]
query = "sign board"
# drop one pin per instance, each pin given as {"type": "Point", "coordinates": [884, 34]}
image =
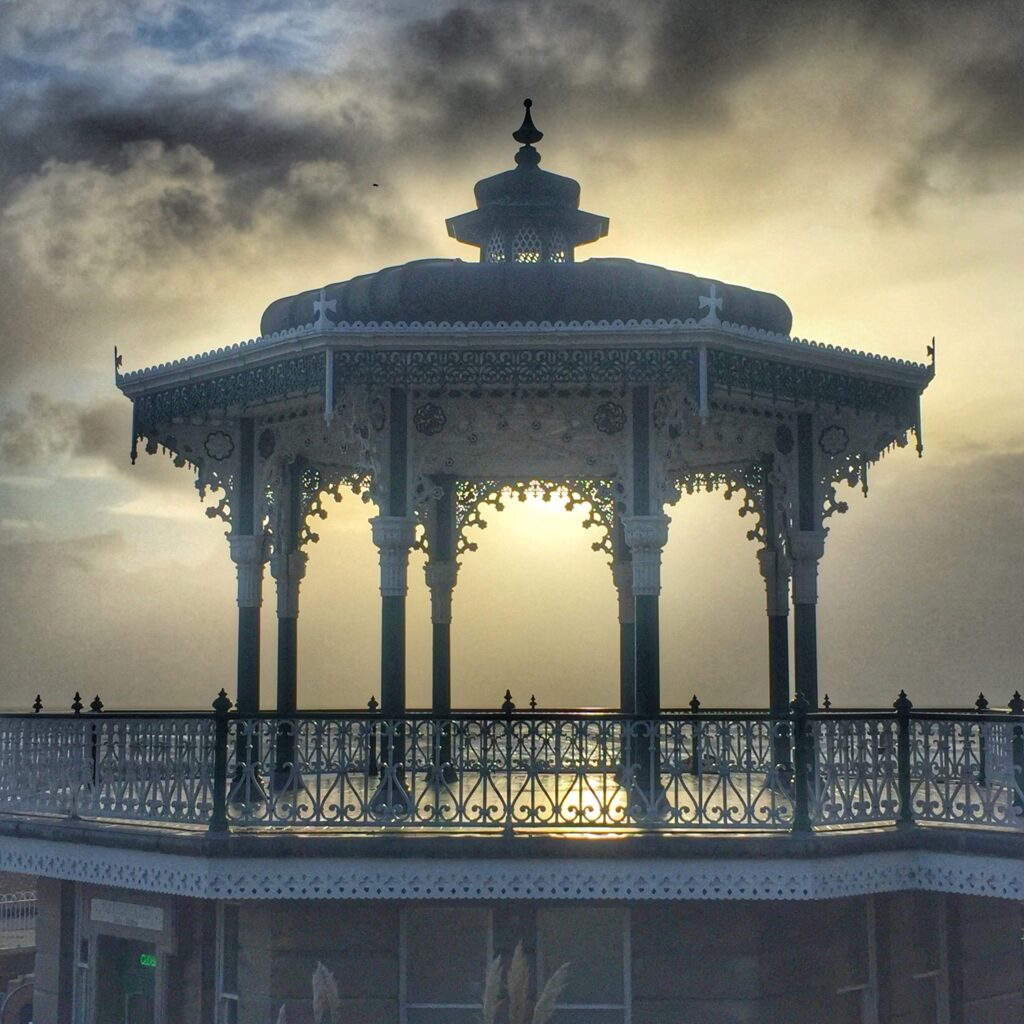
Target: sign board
{"type": "Point", "coordinates": [127, 915]}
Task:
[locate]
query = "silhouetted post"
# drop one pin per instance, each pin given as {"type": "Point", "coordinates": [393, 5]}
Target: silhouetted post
{"type": "Point", "coordinates": [1017, 750]}
{"type": "Point", "coordinates": [372, 766]}
{"type": "Point", "coordinates": [695, 737]}
{"type": "Point", "coordinates": [802, 763]}
{"type": "Point", "coordinates": [507, 708]}
{"type": "Point", "coordinates": [218, 815]}
{"type": "Point", "coordinates": [96, 707]}
{"type": "Point", "coordinates": [903, 707]}
{"type": "Point", "coordinates": [981, 706]}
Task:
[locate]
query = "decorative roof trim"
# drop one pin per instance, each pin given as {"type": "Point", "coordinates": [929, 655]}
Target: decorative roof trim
{"type": "Point", "coordinates": [358, 328]}
{"type": "Point", "coordinates": [420, 878]}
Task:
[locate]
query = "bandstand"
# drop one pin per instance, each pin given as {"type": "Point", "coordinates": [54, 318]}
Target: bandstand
{"type": "Point", "coordinates": [796, 863]}
{"type": "Point", "coordinates": [439, 387]}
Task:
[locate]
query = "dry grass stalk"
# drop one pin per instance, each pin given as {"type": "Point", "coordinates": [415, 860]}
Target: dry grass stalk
{"type": "Point", "coordinates": [492, 991]}
{"type": "Point", "coordinates": [326, 1004]}
{"type": "Point", "coordinates": [518, 987]}
{"type": "Point", "coordinates": [517, 990]}
{"type": "Point", "coordinates": [545, 1008]}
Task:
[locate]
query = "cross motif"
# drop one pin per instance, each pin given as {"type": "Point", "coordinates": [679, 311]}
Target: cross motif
{"type": "Point", "coordinates": [713, 303]}
{"type": "Point", "coordinates": [323, 306]}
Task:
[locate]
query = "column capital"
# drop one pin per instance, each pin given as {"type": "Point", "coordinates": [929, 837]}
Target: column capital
{"type": "Point", "coordinates": [646, 536]}
{"type": "Point", "coordinates": [393, 536]}
{"type": "Point", "coordinates": [622, 576]}
{"type": "Point", "coordinates": [249, 553]}
{"type": "Point", "coordinates": [776, 569]}
{"type": "Point", "coordinates": [807, 548]}
{"type": "Point", "coordinates": [288, 569]}
{"type": "Point", "coordinates": [441, 580]}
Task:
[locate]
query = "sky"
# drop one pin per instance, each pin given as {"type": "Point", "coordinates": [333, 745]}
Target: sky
{"type": "Point", "coordinates": [168, 169]}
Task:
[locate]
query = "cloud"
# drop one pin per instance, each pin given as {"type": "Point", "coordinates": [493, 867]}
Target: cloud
{"type": "Point", "coordinates": [45, 432]}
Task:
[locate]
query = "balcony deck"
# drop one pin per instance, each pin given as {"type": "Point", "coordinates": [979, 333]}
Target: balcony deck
{"type": "Point", "coordinates": [518, 773]}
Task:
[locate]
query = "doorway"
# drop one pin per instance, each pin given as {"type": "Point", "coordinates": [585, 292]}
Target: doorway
{"type": "Point", "coordinates": [126, 971]}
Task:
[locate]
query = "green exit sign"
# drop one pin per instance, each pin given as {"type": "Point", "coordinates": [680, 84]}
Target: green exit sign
{"type": "Point", "coordinates": [147, 960]}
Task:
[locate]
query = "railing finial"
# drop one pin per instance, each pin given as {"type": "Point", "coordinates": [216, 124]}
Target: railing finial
{"type": "Point", "coordinates": [507, 706]}
{"type": "Point", "coordinates": [222, 705]}
{"type": "Point", "coordinates": [827, 703]}
{"type": "Point", "coordinates": [97, 705]}
{"type": "Point", "coordinates": [981, 704]}
{"type": "Point", "coordinates": [694, 705]}
{"type": "Point", "coordinates": [902, 703]}
{"type": "Point", "coordinates": [1016, 703]}
{"type": "Point", "coordinates": [76, 704]}
{"type": "Point", "coordinates": [372, 705]}
{"type": "Point", "coordinates": [37, 704]}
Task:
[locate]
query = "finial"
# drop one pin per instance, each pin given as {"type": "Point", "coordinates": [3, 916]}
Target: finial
{"type": "Point", "coordinates": [508, 707]}
{"type": "Point", "coordinates": [1016, 704]}
{"type": "Point", "coordinates": [902, 703]}
{"type": "Point", "coordinates": [694, 705]}
{"type": "Point", "coordinates": [97, 705]}
{"type": "Point", "coordinates": [221, 703]}
{"type": "Point", "coordinates": [981, 703]}
{"type": "Point", "coordinates": [527, 135]}
{"type": "Point", "coordinates": [76, 704]}
{"type": "Point", "coordinates": [37, 704]}
{"type": "Point", "coordinates": [533, 702]}
{"type": "Point", "coordinates": [372, 705]}
{"type": "Point", "coordinates": [827, 703]}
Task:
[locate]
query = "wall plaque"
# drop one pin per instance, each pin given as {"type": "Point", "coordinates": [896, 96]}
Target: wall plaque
{"type": "Point", "coordinates": [127, 915]}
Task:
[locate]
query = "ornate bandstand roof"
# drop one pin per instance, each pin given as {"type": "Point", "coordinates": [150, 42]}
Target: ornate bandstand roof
{"type": "Point", "coordinates": [525, 314]}
{"type": "Point", "coordinates": [489, 292]}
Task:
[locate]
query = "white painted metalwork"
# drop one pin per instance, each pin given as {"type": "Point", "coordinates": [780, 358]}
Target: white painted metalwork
{"type": "Point", "coordinates": [517, 771]}
{"type": "Point", "coordinates": [17, 911]}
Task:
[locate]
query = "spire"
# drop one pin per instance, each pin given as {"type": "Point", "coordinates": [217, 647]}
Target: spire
{"type": "Point", "coordinates": [527, 135]}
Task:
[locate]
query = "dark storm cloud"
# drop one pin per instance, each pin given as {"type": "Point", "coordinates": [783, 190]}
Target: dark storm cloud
{"type": "Point", "coordinates": [438, 81]}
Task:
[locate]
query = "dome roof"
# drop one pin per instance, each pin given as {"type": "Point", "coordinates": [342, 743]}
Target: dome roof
{"type": "Point", "coordinates": [597, 289]}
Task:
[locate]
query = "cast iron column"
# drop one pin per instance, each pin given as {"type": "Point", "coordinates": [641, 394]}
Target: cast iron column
{"type": "Point", "coordinates": [622, 573]}
{"type": "Point", "coordinates": [288, 567]}
{"type": "Point", "coordinates": [441, 572]}
{"type": "Point", "coordinates": [776, 569]}
{"type": "Point", "coordinates": [645, 533]}
{"type": "Point", "coordinates": [807, 545]}
{"type": "Point", "coordinates": [394, 533]}
{"type": "Point", "coordinates": [249, 553]}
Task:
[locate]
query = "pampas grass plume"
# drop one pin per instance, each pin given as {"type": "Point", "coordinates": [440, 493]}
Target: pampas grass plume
{"type": "Point", "coordinates": [492, 991]}
{"type": "Point", "coordinates": [545, 1008]}
{"type": "Point", "coordinates": [518, 987]}
{"type": "Point", "coordinates": [326, 1004]}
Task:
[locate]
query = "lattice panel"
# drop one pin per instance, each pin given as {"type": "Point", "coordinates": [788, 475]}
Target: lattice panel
{"type": "Point", "coordinates": [526, 244]}
{"type": "Point", "coordinates": [496, 247]}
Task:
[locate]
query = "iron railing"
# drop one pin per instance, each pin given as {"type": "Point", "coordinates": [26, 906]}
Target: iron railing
{"type": "Point", "coordinates": [520, 771]}
{"type": "Point", "coordinates": [17, 918]}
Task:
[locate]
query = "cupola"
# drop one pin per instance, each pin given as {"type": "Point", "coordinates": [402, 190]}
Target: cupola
{"type": "Point", "coordinates": [526, 215]}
